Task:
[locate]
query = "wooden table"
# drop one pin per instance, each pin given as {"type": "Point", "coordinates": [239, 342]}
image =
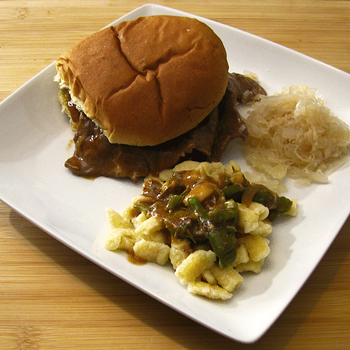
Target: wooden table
{"type": "Point", "coordinates": [51, 297]}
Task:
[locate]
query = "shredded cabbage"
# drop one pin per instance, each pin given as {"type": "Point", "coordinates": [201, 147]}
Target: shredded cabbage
{"type": "Point", "coordinates": [293, 134]}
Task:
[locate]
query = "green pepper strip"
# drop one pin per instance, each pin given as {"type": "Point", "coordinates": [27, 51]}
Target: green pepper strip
{"type": "Point", "coordinates": [219, 239]}
{"type": "Point", "coordinates": [223, 246]}
{"type": "Point", "coordinates": [263, 195]}
{"type": "Point", "coordinates": [198, 209]}
{"type": "Point", "coordinates": [174, 201]}
{"type": "Point", "coordinates": [272, 201]}
{"type": "Point", "coordinates": [224, 215]}
{"type": "Point", "coordinates": [250, 192]}
{"type": "Point", "coordinates": [283, 204]}
{"type": "Point", "coordinates": [229, 191]}
{"type": "Point", "coordinates": [265, 198]}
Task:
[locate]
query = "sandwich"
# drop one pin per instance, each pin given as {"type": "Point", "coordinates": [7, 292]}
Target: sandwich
{"type": "Point", "coordinates": [148, 93]}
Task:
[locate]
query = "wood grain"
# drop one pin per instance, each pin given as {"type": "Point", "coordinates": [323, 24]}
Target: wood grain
{"type": "Point", "coordinates": [52, 298]}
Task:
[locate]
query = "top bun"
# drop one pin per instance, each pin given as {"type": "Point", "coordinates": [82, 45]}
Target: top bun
{"type": "Point", "coordinates": [146, 81]}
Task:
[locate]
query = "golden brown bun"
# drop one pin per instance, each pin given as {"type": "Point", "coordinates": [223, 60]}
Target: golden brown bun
{"type": "Point", "coordinates": [149, 80]}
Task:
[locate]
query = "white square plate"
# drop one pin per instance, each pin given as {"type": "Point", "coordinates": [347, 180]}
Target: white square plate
{"type": "Point", "coordinates": [33, 181]}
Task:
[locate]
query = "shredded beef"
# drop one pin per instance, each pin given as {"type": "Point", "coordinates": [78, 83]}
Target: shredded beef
{"type": "Point", "coordinates": [95, 156]}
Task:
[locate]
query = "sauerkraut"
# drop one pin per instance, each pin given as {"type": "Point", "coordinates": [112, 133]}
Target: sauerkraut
{"type": "Point", "coordinates": [293, 134]}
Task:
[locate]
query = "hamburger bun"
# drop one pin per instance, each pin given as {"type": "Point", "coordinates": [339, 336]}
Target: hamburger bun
{"type": "Point", "coordinates": [146, 81]}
